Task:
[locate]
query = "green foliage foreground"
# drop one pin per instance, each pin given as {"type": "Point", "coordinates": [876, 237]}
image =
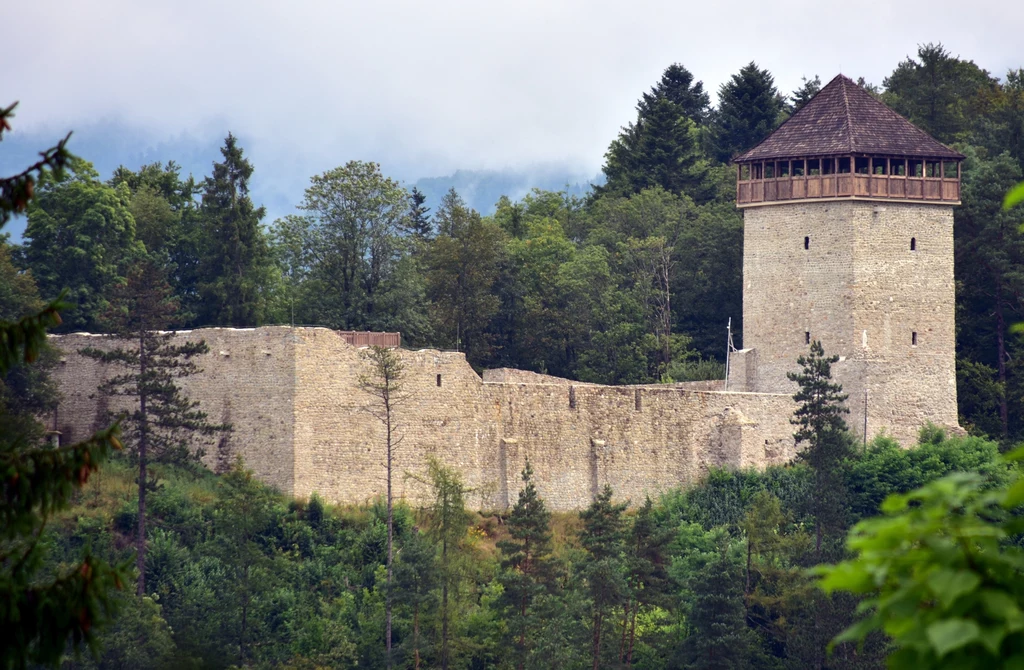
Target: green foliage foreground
{"type": "Point", "coordinates": [713, 576]}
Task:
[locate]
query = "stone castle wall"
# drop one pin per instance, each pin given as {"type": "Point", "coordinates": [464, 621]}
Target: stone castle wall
{"type": "Point", "coordinates": [303, 424]}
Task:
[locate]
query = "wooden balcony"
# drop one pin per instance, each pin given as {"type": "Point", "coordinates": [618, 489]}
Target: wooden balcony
{"type": "Point", "coordinates": [929, 181]}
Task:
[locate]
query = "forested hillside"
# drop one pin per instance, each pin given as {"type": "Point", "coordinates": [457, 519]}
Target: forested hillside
{"type": "Point", "coordinates": [633, 282]}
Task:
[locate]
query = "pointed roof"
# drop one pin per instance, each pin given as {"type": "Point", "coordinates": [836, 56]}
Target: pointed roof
{"type": "Point", "coordinates": [843, 118]}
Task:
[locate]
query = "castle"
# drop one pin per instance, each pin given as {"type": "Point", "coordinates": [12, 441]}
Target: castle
{"type": "Point", "coordinates": [848, 240]}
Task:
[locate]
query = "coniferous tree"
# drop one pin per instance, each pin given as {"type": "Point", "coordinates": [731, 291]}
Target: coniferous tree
{"type": "Point", "coordinates": [448, 519]}
{"type": "Point", "coordinates": [661, 148]}
{"type": "Point", "coordinates": [719, 637]}
{"type": "Point", "coordinates": [603, 539]}
{"type": "Point", "coordinates": [647, 578]}
{"type": "Point", "coordinates": [526, 563]}
{"type": "Point", "coordinates": [825, 438]}
{"type": "Point", "coordinates": [236, 261]}
{"type": "Point", "coordinates": [419, 216]}
{"type": "Point", "coordinates": [163, 424]}
{"type": "Point", "coordinates": [384, 383]}
{"type": "Point", "coordinates": [416, 580]}
{"type": "Point", "coordinates": [803, 95]}
{"type": "Point", "coordinates": [43, 610]}
{"type": "Point", "coordinates": [942, 94]}
{"type": "Point", "coordinates": [749, 106]}
{"type": "Point", "coordinates": [462, 266]}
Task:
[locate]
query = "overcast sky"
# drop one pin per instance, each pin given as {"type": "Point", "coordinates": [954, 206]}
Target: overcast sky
{"type": "Point", "coordinates": [430, 86]}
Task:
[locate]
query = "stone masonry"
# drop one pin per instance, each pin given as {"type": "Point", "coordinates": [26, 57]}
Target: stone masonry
{"type": "Point", "coordinates": [301, 421]}
{"type": "Point", "coordinates": [847, 273]}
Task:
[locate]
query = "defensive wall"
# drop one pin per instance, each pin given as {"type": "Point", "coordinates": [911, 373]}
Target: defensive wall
{"type": "Point", "coordinates": [302, 423]}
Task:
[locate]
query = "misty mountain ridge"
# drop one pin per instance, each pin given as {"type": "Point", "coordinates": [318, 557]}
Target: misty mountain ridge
{"type": "Point", "coordinates": [109, 144]}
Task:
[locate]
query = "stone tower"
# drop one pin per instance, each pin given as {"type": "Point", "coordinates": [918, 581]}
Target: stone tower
{"type": "Point", "coordinates": [848, 239]}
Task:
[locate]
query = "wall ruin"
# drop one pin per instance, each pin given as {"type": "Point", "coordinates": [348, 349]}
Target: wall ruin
{"type": "Point", "coordinates": [301, 421]}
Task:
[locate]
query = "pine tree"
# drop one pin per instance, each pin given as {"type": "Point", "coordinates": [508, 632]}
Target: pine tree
{"type": "Point", "coordinates": [527, 570]}
{"type": "Point", "coordinates": [823, 431]}
{"type": "Point", "coordinates": [603, 539]}
{"type": "Point", "coordinates": [234, 269]}
{"type": "Point", "coordinates": [749, 106]}
{"type": "Point", "coordinates": [43, 611]}
{"type": "Point", "coordinates": [163, 425]}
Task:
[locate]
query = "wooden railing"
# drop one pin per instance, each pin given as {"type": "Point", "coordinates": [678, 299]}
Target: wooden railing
{"type": "Point", "coordinates": [362, 338]}
{"type": "Point", "coordinates": [847, 185]}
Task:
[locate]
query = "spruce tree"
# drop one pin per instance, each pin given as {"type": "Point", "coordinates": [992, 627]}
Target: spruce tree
{"type": "Point", "coordinates": [162, 424]}
{"type": "Point", "coordinates": [749, 106]}
{"type": "Point", "coordinates": [603, 539]}
{"type": "Point", "coordinates": [825, 436]}
{"type": "Point", "coordinates": [527, 570]}
{"type": "Point", "coordinates": [234, 268]}
{"type": "Point", "coordinates": [661, 148]}
{"type": "Point", "coordinates": [419, 216]}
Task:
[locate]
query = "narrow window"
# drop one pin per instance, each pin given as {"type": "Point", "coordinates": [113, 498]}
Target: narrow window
{"type": "Point", "coordinates": [636, 400]}
{"type": "Point", "coordinates": [807, 337]}
{"type": "Point", "coordinates": [813, 167]}
{"type": "Point", "coordinates": [439, 380]}
{"type": "Point", "coordinates": [913, 339]}
{"type": "Point", "coordinates": [572, 397]}
{"type": "Point", "coordinates": [844, 165]}
{"type": "Point", "coordinates": [913, 244]}
{"type": "Point", "coordinates": [807, 243]}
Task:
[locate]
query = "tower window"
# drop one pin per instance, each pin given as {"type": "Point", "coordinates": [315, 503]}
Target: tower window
{"type": "Point", "coordinates": [913, 339]}
{"type": "Point", "coordinates": [807, 337]}
{"type": "Point", "coordinates": [913, 244]}
{"type": "Point", "coordinates": [807, 243]}
{"type": "Point", "coordinates": [439, 380]}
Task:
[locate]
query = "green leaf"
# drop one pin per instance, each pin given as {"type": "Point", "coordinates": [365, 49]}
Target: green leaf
{"type": "Point", "coordinates": [948, 585]}
{"type": "Point", "coordinates": [999, 605]}
{"type": "Point", "coordinates": [951, 634]}
{"type": "Point", "coordinates": [1014, 197]}
{"type": "Point", "coordinates": [1015, 495]}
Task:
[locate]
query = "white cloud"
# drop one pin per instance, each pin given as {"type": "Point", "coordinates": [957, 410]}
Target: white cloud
{"type": "Point", "coordinates": [431, 86]}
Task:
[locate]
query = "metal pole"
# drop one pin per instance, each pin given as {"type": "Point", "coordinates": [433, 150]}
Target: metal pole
{"type": "Point", "coordinates": [728, 351]}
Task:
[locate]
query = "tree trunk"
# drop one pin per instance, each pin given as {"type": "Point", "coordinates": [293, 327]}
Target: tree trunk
{"type": "Point", "coordinates": [416, 637]}
{"type": "Point", "coordinates": [625, 629]}
{"type": "Point", "coordinates": [243, 645]}
{"type": "Point", "coordinates": [632, 636]}
{"type": "Point", "coordinates": [140, 538]}
{"type": "Point", "coordinates": [391, 526]}
{"type": "Point", "coordinates": [1001, 352]}
{"type": "Point", "coordinates": [444, 605]}
{"type": "Point", "coordinates": [597, 641]}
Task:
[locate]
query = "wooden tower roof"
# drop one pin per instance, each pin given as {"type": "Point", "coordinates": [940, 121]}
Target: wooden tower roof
{"type": "Point", "coordinates": [843, 118]}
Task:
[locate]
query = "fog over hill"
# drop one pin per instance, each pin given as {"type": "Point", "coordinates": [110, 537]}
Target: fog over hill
{"type": "Point", "coordinates": [278, 181]}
